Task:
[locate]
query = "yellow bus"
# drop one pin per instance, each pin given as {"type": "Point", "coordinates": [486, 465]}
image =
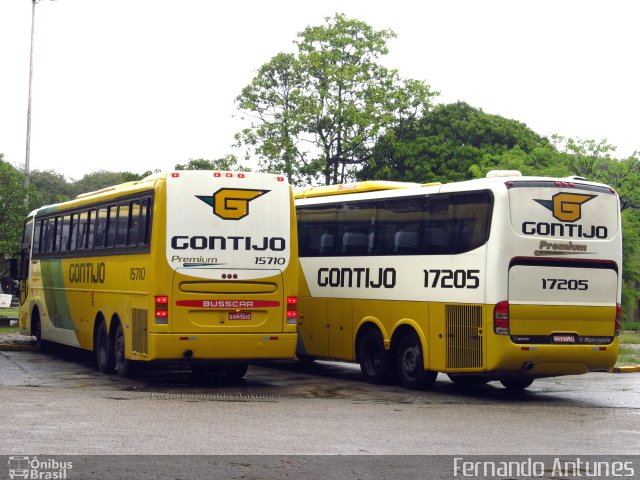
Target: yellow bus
{"type": "Point", "coordinates": [505, 278]}
{"type": "Point", "coordinates": [188, 265]}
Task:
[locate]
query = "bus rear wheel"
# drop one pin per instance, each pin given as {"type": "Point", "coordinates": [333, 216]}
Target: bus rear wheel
{"type": "Point", "coordinates": [104, 350]}
{"type": "Point", "coordinates": [375, 361]}
{"type": "Point", "coordinates": [410, 364]}
{"type": "Point", "coordinates": [125, 368]}
{"type": "Point", "coordinates": [235, 371]}
{"type": "Point", "coordinates": [516, 383]}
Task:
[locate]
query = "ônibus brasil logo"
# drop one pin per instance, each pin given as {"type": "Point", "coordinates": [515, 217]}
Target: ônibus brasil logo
{"type": "Point", "coordinates": [231, 203]}
{"type": "Point", "coordinates": [566, 207]}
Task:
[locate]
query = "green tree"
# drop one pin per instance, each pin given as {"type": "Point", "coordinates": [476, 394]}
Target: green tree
{"type": "Point", "coordinates": [13, 212]}
{"type": "Point", "coordinates": [455, 142]}
{"type": "Point", "coordinates": [51, 187]}
{"type": "Point", "coordinates": [102, 179]}
{"type": "Point", "coordinates": [319, 113]}
{"type": "Point", "coordinates": [226, 163]}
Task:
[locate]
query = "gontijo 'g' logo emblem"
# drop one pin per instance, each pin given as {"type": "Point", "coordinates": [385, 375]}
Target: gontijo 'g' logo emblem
{"type": "Point", "coordinates": [231, 203]}
{"type": "Point", "coordinates": [566, 207]}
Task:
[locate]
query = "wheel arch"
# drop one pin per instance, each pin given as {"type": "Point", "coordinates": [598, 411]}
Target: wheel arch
{"type": "Point", "coordinates": [366, 324]}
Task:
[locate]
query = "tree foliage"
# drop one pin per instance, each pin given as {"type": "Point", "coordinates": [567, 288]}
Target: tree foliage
{"type": "Point", "coordinates": [455, 142]}
{"type": "Point", "coordinates": [226, 163]}
{"type": "Point", "coordinates": [319, 113]}
{"type": "Point", "coordinates": [13, 211]}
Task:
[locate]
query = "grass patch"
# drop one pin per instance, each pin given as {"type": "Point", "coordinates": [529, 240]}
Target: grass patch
{"type": "Point", "coordinates": [628, 356]}
{"type": "Point", "coordinates": [630, 338]}
{"type": "Point", "coordinates": [6, 330]}
{"type": "Point", "coordinates": [634, 326]}
{"type": "Point", "coordinates": [9, 312]}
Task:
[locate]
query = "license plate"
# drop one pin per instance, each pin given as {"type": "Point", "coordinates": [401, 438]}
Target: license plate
{"type": "Point", "coordinates": [564, 338]}
{"type": "Point", "coordinates": [239, 315]}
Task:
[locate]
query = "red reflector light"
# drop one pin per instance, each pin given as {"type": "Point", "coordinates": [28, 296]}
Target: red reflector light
{"type": "Point", "coordinates": [241, 175]}
{"type": "Point", "coordinates": [217, 174]}
{"type": "Point", "coordinates": [229, 175]}
{"type": "Point", "coordinates": [162, 306]}
{"type": "Point", "coordinates": [281, 179]}
{"type": "Point", "coordinates": [175, 174]}
{"type": "Point", "coordinates": [616, 328]}
{"type": "Point", "coordinates": [501, 318]}
{"type": "Point", "coordinates": [292, 307]}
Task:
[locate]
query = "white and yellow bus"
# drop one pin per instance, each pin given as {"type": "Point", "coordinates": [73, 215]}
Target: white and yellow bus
{"type": "Point", "coordinates": [191, 265]}
{"type": "Point", "coordinates": [505, 278]}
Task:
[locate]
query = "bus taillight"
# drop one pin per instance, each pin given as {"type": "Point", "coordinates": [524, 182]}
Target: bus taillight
{"type": "Point", "coordinates": [616, 329]}
{"type": "Point", "coordinates": [162, 310]}
{"type": "Point", "coordinates": [292, 310]}
{"type": "Point", "coordinates": [501, 318]}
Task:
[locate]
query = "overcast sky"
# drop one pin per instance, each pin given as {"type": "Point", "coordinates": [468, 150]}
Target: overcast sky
{"type": "Point", "coordinates": [139, 85]}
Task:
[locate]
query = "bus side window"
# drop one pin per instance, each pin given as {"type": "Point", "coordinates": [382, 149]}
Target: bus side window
{"type": "Point", "coordinates": [101, 220]}
{"type": "Point", "coordinates": [398, 226]}
{"type": "Point", "coordinates": [91, 228]}
{"type": "Point", "coordinates": [36, 237]}
{"type": "Point", "coordinates": [110, 237]}
{"type": "Point", "coordinates": [49, 231]}
{"type": "Point", "coordinates": [122, 228]}
{"type": "Point", "coordinates": [65, 233]}
{"type": "Point", "coordinates": [134, 224]}
{"type": "Point", "coordinates": [317, 231]}
{"type": "Point", "coordinates": [471, 221]}
{"type": "Point", "coordinates": [144, 232]}
{"type": "Point", "coordinates": [437, 228]}
{"type": "Point", "coordinates": [357, 223]}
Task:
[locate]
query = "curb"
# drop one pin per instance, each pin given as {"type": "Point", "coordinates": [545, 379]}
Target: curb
{"type": "Point", "coordinates": [17, 347]}
{"type": "Point", "coordinates": [627, 369]}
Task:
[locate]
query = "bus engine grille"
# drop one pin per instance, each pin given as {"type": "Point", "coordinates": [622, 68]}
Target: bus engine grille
{"type": "Point", "coordinates": [140, 331]}
{"type": "Point", "coordinates": [464, 336]}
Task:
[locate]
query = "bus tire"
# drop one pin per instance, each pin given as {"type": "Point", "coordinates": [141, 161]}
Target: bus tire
{"type": "Point", "coordinates": [410, 363]}
{"type": "Point", "coordinates": [375, 360]}
{"type": "Point", "coordinates": [516, 383]}
{"type": "Point", "coordinates": [36, 331]}
{"type": "Point", "coordinates": [235, 371]}
{"type": "Point", "coordinates": [124, 368]}
{"type": "Point", "coordinates": [103, 348]}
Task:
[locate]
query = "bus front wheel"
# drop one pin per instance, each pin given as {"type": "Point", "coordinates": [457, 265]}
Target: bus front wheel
{"type": "Point", "coordinates": [104, 350]}
{"type": "Point", "coordinates": [375, 361]}
{"type": "Point", "coordinates": [36, 331]}
{"type": "Point", "coordinates": [125, 368]}
{"type": "Point", "coordinates": [410, 364]}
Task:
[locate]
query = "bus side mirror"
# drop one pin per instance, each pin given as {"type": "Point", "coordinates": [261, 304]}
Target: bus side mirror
{"type": "Point", "coordinates": [13, 269]}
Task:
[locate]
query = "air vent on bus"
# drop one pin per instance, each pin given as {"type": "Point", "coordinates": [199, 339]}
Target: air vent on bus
{"type": "Point", "coordinates": [139, 330]}
{"type": "Point", "coordinates": [464, 336]}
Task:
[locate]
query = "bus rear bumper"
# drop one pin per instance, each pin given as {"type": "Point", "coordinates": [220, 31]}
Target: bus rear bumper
{"type": "Point", "coordinates": [554, 360]}
{"type": "Point", "coordinates": [198, 346]}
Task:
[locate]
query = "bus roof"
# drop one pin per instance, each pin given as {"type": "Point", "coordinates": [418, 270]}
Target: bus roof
{"type": "Point", "coordinates": [358, 187]}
